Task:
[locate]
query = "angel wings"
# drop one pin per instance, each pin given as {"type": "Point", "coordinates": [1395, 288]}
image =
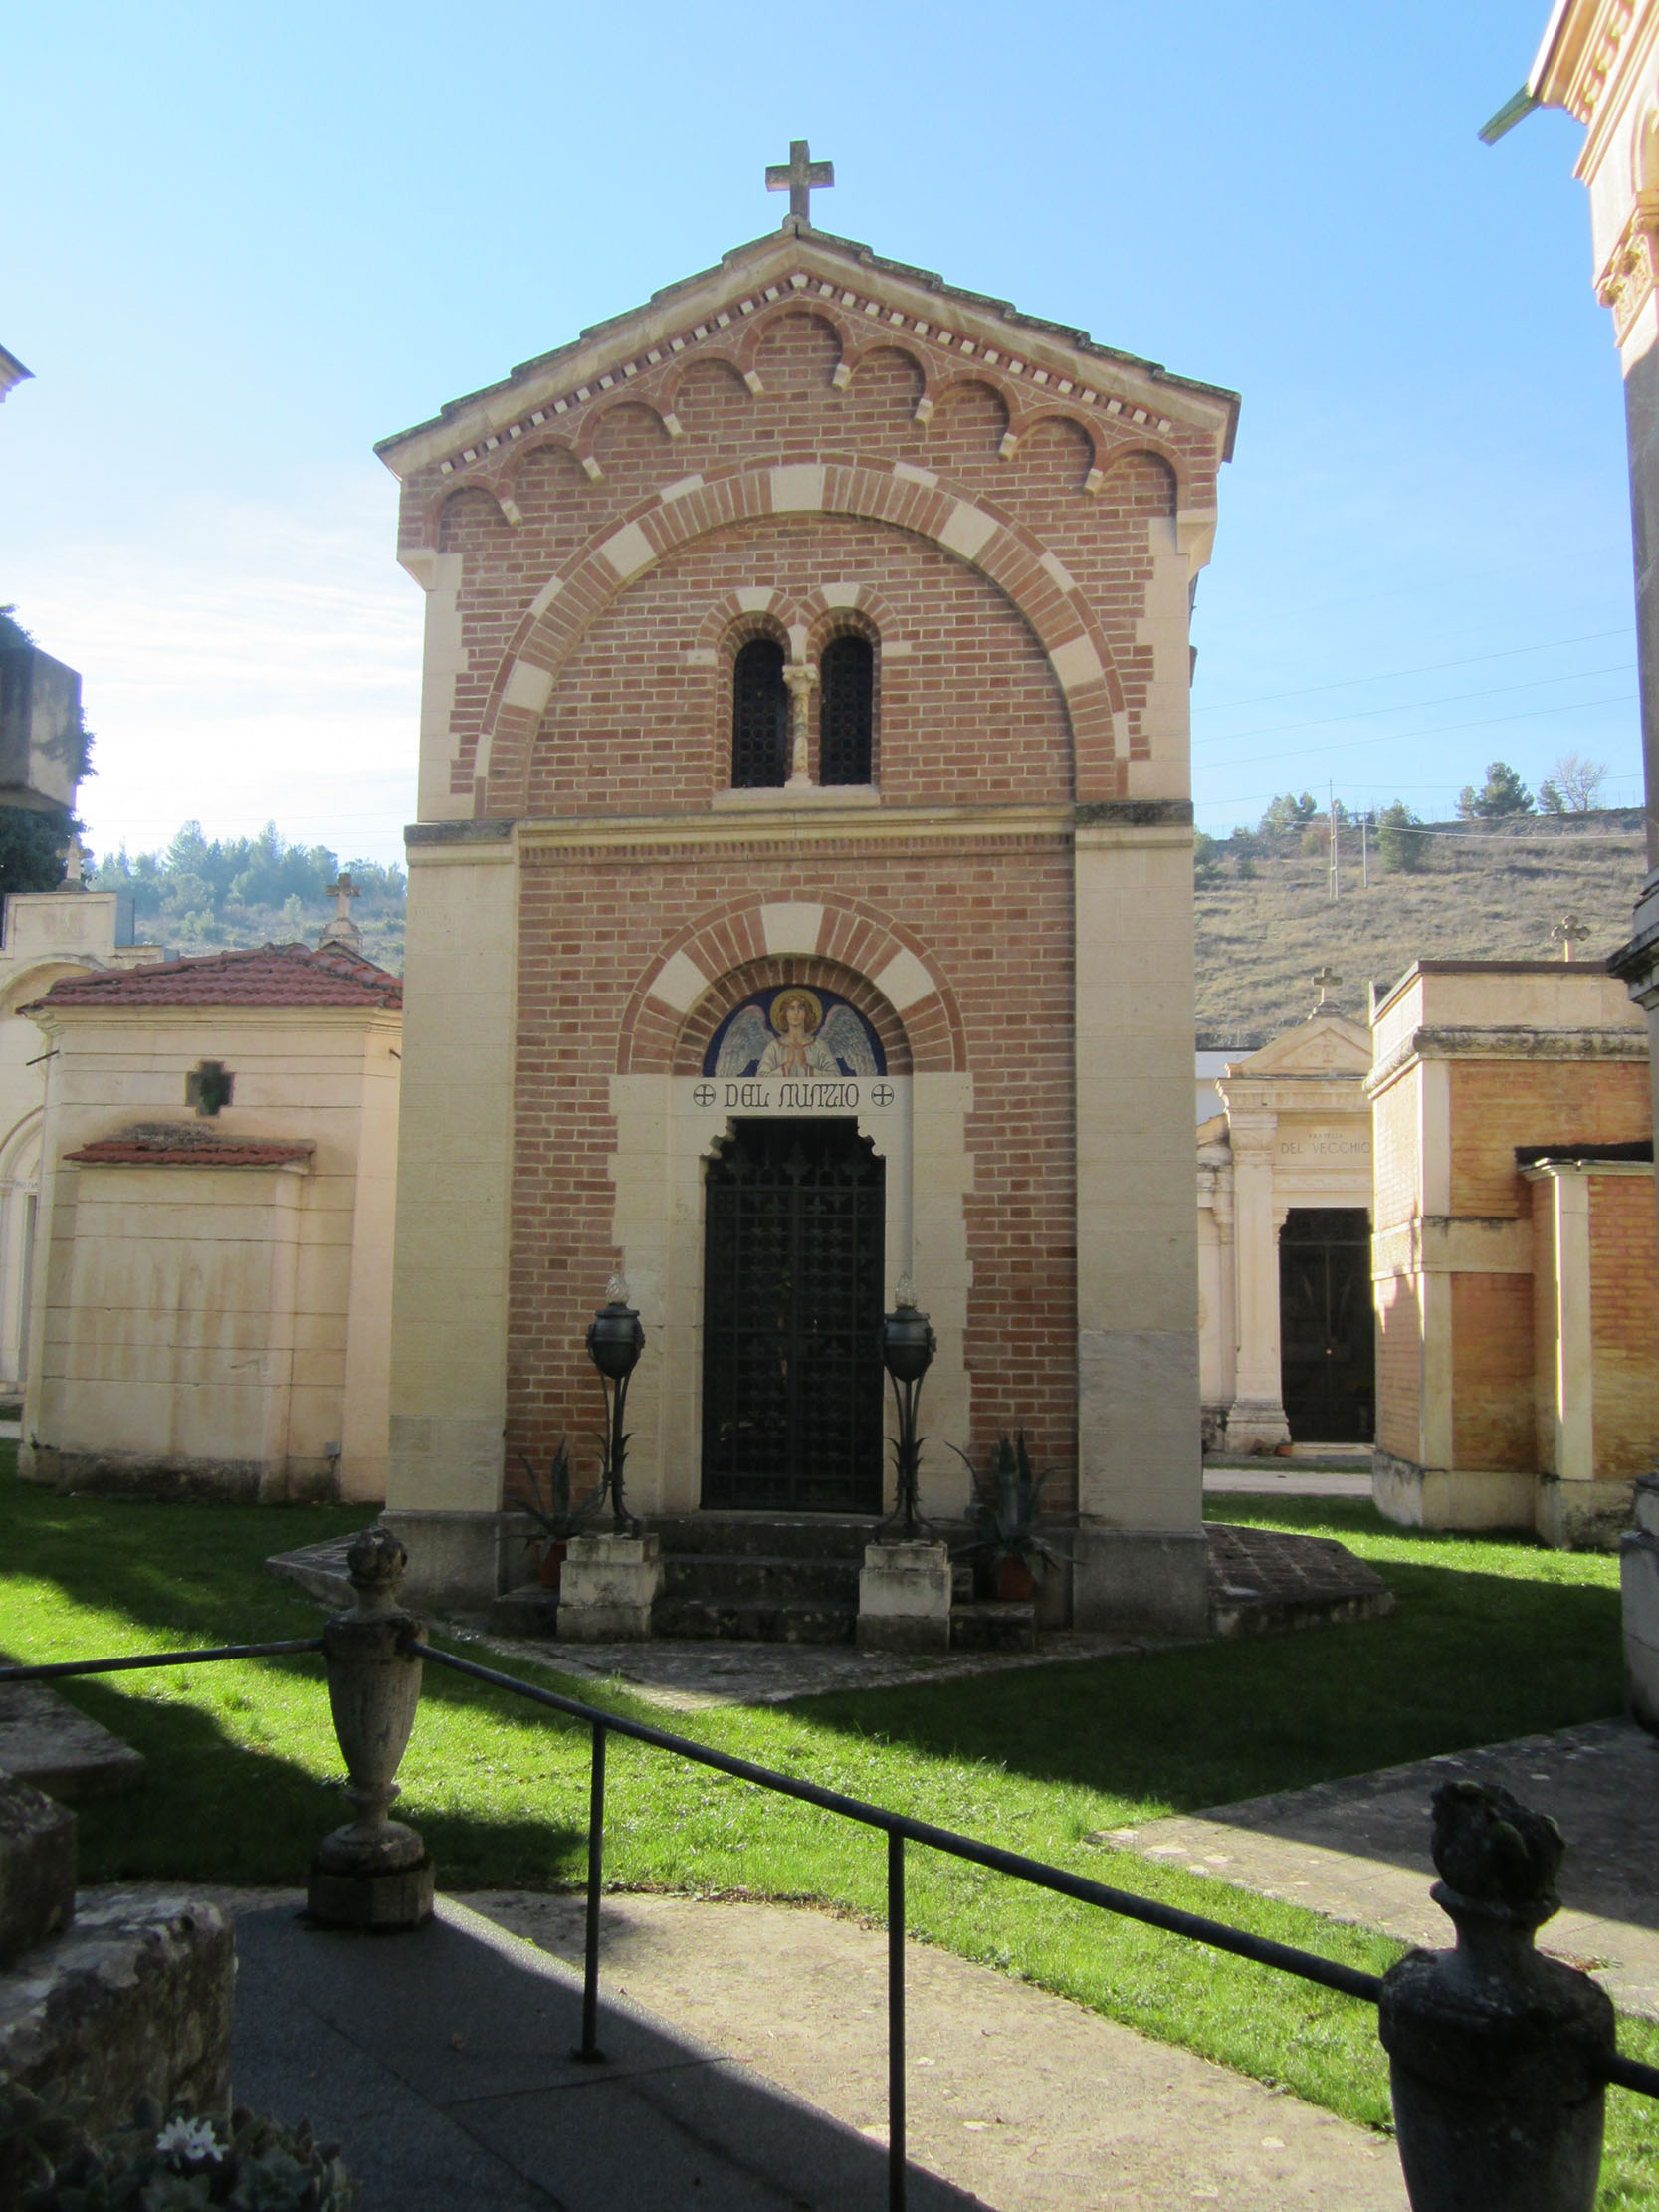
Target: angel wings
{"type": "Point", "coordinates": [843, 1036]}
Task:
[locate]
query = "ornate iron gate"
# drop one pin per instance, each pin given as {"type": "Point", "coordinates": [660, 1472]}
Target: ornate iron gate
{"type": "Point", "coordinates": [793, 1244]}
{"type": "Point", "coordinates": [1327, 1343]}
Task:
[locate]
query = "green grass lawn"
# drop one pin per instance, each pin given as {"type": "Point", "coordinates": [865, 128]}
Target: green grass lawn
{"type": "Point", "coordinates": [1490, 1639]}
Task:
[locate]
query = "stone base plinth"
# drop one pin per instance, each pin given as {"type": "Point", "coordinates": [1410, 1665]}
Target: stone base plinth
{"type": "Point", "coordinates": [1140, 1582]}
{"type": "Point", "coordinates": [456, 1559]}
{"type": "Point", "coordinates": [904, 1597]}
{"type": "Point", "coordinates": [1256, 1424]}
{"type": "Point", "coordinates": [1451, 1497]}
{"type": "Point", "coordinates": [1581, 1516]}
{"type": "Point", "coordinates": [385, 1901]}
{"type": "Point", "coordinates": [130, 2002]}
{"type": "Point", "coordinates": [607, 1588]}
{"type": "Point", "coordinates": [1639, 1582]}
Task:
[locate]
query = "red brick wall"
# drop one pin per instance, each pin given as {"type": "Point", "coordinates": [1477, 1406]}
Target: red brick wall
{"type": "Point", "coordinates": [1100, 538]}
{"type": "Point", "coordinates": [1395, 1151]}
{"type": "Point", "coordinates": [1499, 1104]}
{"type": "Point", "coordinates": [1492, 1423]}
{"type": "Point", "coordinates": [996, 919]}
{"type": "Point", "coordinates": [1398, 1367]}
{"type": "Point", "coordinates": [1624, 1324]}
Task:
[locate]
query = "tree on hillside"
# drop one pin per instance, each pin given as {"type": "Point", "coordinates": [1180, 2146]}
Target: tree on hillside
{"type": "Point", "coordinates": [1574, 786]}
{"type": "Point", "coordinates": [1503, 794]}
{"type": "Point", "coordinates": [1205, 869]}
{"type": "Point", "coordinates": [1403, 848]}
{"type": "Point", "coordinates": [1290, 813]}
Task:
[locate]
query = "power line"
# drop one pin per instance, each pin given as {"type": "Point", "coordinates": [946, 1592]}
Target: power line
{"type": "Point", "coordinates": [1416, 706]}
{"type": "Point", "coordinates": [1427, 668]}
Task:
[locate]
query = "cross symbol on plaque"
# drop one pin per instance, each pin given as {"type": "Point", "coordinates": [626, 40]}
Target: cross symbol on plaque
{"type": "Point", "coordinates": [209, 1086]}
{"type": "Point", "coordinates": [1327, 980]}
{"type": "Point", "coordinates": [800, 176]}
{"type": "Point", "coordinates": [1571, 930]}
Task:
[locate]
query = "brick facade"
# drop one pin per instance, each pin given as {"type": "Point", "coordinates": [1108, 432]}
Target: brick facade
{"type": "Point", "coordinates": [804, 442]}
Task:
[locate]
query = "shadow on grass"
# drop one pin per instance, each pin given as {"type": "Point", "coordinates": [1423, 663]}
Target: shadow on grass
{"type": "Point", "coordinates": [217, 1809]}
{"type": "Point", "coordinates": [1465, 1660]}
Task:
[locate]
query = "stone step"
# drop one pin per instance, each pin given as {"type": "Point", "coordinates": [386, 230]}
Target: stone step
{"type": "Point", "coordinates": [994, 1624]}
{"type": "Point", "coordinates": [704, 1620]}
{"type": "Point", "coordinates": [752, 1578]}
{"type": "Point", "coordinates": [766, 1535]}
{"type": "Point", "coordinates": [36, 1867]}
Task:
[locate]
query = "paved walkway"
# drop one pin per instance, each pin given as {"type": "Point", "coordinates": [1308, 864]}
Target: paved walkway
{"type": "Point", "coordinates": [746, 2069]}
{"type": "Point", "coordinates": [1357, 1850]}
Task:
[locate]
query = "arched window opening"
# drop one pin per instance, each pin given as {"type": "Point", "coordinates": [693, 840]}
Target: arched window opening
{"type": "Point", "coordinates": [759, 717]}
{"type": "Point", "coordinates": [846, 718]}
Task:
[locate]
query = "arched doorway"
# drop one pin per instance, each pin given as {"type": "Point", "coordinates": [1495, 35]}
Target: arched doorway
{"type": "Point", "coordinates": [794, 1248]}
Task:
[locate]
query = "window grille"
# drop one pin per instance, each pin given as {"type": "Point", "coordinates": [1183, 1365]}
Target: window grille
{"type": "Point", "coordinates": [847, 716]}
{"type": "Point", "coordinates": [759, 717]}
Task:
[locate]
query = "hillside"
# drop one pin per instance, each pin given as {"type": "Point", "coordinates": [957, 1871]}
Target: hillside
{"type": "Point", "coordinates": [1489, 892]}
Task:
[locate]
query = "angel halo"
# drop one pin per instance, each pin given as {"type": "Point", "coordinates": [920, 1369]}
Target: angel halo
{"type": "Point", "coordinates": [793, 1032]}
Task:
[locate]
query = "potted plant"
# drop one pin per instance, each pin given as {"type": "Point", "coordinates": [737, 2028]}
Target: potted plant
{"type": "Point", "coordinates": [555, 1518]}
{"type": "Point", "coordinates": [1002, 1511]}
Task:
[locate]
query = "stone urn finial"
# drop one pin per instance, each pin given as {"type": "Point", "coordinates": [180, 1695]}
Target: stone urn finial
{"type": "Point", "coordinates": [1496, 2055]}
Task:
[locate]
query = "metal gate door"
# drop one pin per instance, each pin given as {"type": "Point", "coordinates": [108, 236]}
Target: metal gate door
{"type": "Point", "coordinates": [793, 1245]}
{"type": "Point", "coordinates": [1328, 1340]}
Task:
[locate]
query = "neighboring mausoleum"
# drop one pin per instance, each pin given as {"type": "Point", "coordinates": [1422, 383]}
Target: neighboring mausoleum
{"type": "Point", "coordinates": [1516, 1279]}
{"type": "Point", "coordinates": [211, 1292]}
{"type": "Point", "coordinates": [801, 899]}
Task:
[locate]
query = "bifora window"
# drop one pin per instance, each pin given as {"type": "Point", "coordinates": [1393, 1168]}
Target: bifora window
{"type": "Point", "coordinates": [847, 715]}
{"type": "Point", "coordinates": [759, 717]}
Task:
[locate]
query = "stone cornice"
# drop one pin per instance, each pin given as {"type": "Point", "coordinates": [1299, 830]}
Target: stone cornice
{"type": "Point", "coordinates": [1449, 1245]}
{"type": "Point", "coordinates": [1504, 1045]}
{"type": "Point", "coordinates": [783, 826]}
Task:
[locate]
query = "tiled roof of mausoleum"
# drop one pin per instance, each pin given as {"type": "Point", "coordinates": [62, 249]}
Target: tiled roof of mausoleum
{"type": "Point", "coordinates": [267, 975]}
{"type": "Point", "coordinates": [161, 1144]}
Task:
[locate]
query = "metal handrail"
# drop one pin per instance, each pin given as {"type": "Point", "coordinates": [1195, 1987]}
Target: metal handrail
{"type": "Point", "coordinates": [899, 1828]}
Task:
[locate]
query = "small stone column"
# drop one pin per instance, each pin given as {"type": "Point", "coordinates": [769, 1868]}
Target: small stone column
{"type": "Point", "coordinates": [1497, 2056]}
{"type": "Point", "coordinates": [1256, 1419]}
{"type": "Point", "coordinates": [903, 1596]}
{"type": "Point", "coordinates": [607, 1587]}
{"type": "Point", "coordinates": [1639, 1581]}
{"type": "Point", "coordinates": [375, 1873]}
{"type": "Point", "coordinates": [800, 677]}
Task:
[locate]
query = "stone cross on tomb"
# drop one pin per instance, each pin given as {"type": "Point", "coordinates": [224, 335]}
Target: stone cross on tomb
{"type": "Point", "coordinates": [800, 176]}
{"type": "Point", "coordinates": [1327, 980]}
{"type": "Point", "coordinates": [75, 861]}
{"type": "Point", "coordinates": [340, 929]}
{"type": "Point", "coordinates": [1571, 930]}
{"type": "Point", "coordinates": [208, 1087]}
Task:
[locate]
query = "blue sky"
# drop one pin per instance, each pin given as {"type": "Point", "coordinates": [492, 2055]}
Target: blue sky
{"type": "Point", "coordinates": [241, 245]}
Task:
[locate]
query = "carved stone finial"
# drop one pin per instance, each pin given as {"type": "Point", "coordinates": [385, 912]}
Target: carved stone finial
{"type": "Point", "coordinates": [375, 1560]}
{"type": "Point", "coordinates": [1492, 1851]}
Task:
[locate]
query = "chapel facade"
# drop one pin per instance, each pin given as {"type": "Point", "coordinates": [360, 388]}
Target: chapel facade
{"type": "Point", "coordinates": [800, 902]}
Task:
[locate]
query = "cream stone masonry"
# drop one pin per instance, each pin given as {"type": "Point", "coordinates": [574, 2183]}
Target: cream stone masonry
{"type": "Point", "coordinates": [47, 935]}
{"type": "Point", "coordinates": [208, 1327]}
{"type": "Point", "coordinates": [447, 1355]}
{"type": "Point", "coordinates": [1295, 1131]}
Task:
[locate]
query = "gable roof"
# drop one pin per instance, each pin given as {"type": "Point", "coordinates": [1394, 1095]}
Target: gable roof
{"type": "Point", "coordinates": [673, 317]}
{"type": "Point", "coordinates": [266, 976]}
{"type": "Point", "coordinates": [1328, 1044]}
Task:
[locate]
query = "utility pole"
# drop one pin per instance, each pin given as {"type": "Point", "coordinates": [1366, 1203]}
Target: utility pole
{"type": "Point", "coordinates": [1364, 853]}
{"type": "Point", "coordinates": [1335, 878]}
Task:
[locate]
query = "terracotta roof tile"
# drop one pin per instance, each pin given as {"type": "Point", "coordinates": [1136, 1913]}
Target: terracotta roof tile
{"type": "Point", "coordinates": [165, 1143]}
{"type": "Point", "coordinates": [267, 975]}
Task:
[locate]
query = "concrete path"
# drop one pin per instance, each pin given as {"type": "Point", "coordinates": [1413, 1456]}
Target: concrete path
{"type": "Point", "coordinates": [1358, 1850]}
{"type": "Point", "coordinates": [1283, 1479]}
{"type": "Point", "coordinates": [748, 2068]}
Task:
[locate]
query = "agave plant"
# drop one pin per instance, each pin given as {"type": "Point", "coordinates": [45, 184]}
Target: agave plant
{"type": "Point", "coordinates": [1004, 1504]}
{"type": "Point", "coordinates": [550, 1509]}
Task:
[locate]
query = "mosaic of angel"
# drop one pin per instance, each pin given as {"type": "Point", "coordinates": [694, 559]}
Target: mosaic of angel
{"type": "Point", "coordinates": [800, 1038]}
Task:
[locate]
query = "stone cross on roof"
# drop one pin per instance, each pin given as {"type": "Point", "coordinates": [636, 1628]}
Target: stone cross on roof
{"type": "Point", "coordinates": [1327, 980]}
{"type": "Point", "coordinates": [800, 176]}
{"type": "Point", "coordinates": [340, 929]}
{"type": "Point", "coordinates": [1571, 930]}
